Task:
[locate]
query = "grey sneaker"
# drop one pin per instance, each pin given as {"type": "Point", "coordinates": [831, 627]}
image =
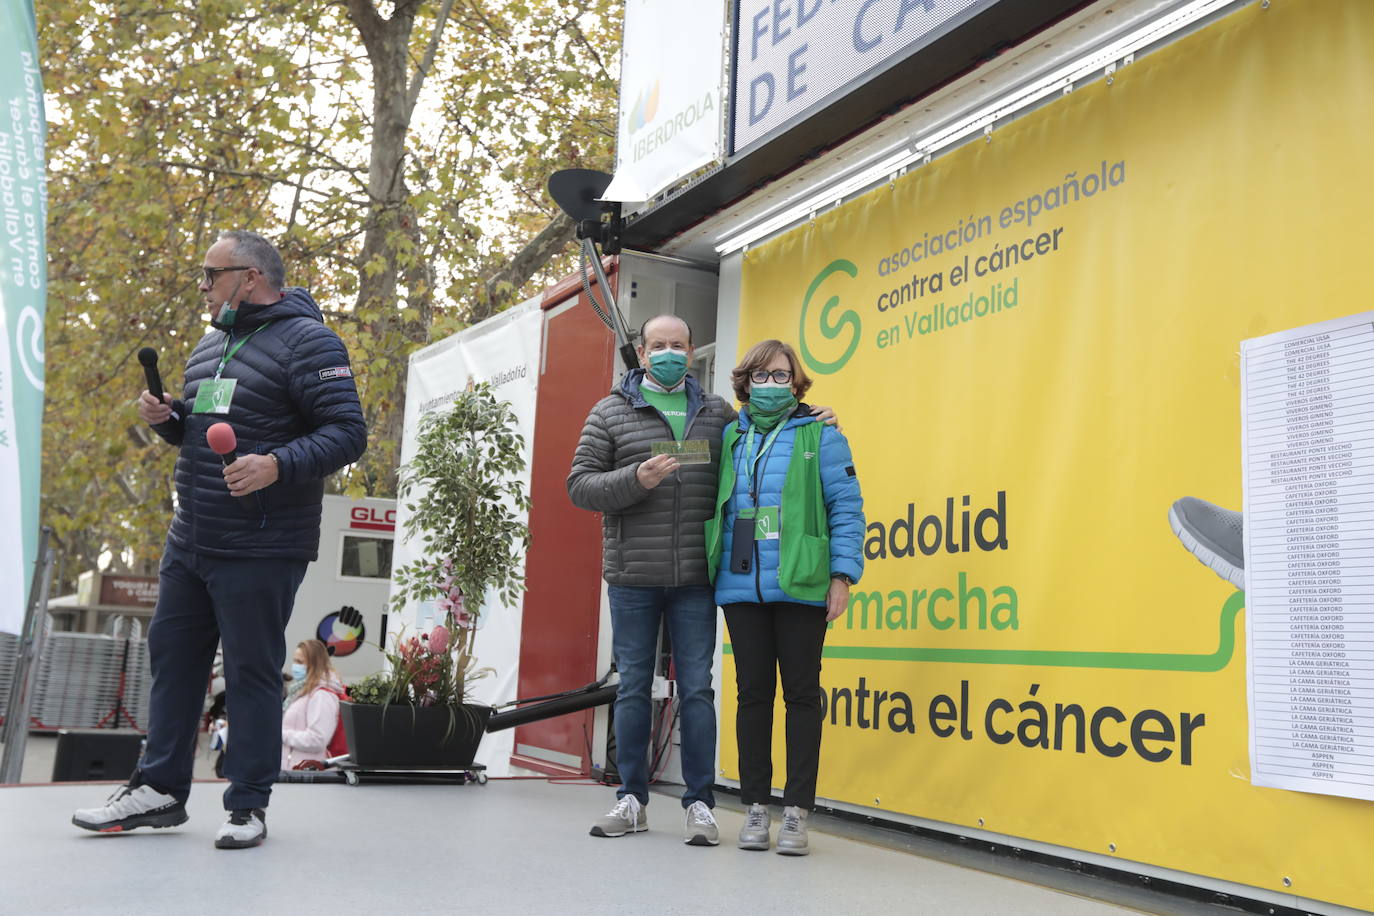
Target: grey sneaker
{"type": "Point", "coordinates": [628, 816]}
{"type": "Point", "coordinates": [754, 833]}
{"type": "Point", "coordinates": [701, 826]}
{"type": "Point", "coordinates": [130, 807]}
{"type": "Point", "coordinates": [246, 827]}
{"type": "Point", "coordinates": [792, 836]}
{"type": "Point", "coordinates": [1214, 535]}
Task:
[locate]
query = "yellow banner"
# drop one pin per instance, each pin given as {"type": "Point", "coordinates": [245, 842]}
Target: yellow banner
{"type": "Point", "coordinates": [1033, 346]}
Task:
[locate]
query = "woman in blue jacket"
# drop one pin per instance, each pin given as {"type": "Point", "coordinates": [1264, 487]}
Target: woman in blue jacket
{"type": "Point", "coordinates": [786, 544]}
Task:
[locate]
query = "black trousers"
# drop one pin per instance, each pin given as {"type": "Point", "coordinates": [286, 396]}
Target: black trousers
{"type": "Point", "coordinates": [767, 639]}
{"type": "Point", "coordinates": [202, 601]}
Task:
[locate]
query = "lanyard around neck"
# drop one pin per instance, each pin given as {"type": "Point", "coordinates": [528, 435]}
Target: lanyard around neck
{"type": "Point", "coordinates": [751, 460]}
{"type": "Point", "coordinates": [228, 353]}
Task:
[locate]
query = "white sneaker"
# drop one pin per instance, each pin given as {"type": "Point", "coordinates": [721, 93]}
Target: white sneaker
{"type": "Point", "coordinates": [792, 839]}
{"type": "Point", "coordinates": [246, 827]}
{"type": "Point", "coordinates": [130, 807]}
{"type": "Point", "coordinates": [754, 834]}
{"type": "Point", "coordinates": [628, 816]}
{"type": "Point", "coordinates": [701, 826]}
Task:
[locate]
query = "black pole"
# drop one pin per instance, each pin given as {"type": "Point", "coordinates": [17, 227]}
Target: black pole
{"type": "Point", "coordinates": [123, 679]}
{"type": "Point", "coordinates": [602, 697]}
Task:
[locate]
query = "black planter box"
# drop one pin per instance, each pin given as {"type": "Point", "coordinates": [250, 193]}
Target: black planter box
{"type": "Point", "coordinates": [407, 737]}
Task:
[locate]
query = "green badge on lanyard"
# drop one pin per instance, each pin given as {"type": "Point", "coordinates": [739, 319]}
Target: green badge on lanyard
{"type": "Point", "coordinates": [214, 395]}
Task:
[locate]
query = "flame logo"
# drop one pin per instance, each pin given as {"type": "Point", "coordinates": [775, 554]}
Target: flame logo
{"type": "Point", "coordinates": [830, 329]}
{"type": "Point", "coordinates": [646, 108]}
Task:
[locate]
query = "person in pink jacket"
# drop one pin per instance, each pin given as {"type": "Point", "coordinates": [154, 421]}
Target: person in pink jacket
{"type": "Point", "coordinates": [311, 707]}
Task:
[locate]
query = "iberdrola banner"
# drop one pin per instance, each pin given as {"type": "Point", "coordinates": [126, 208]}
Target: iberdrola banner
{"type": "Point", "coordinates": [1034, 345]}
{"type": "Point", "coordinates": [23, 281]}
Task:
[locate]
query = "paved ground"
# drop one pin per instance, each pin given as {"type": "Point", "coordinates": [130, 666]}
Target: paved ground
{"type": "Point", "coordinates": [506, 847]}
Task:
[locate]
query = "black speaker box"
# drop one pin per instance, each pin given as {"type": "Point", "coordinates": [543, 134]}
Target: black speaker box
{"type": "Point", "coordinates": [96, 754]}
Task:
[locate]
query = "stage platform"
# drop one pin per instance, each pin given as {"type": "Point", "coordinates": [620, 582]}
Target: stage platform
{"type": "Point", "coordinates": [511, 846]}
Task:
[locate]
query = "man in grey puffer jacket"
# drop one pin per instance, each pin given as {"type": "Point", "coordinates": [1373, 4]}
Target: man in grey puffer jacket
{"type": "Point", "coordinates": [654, 560]}
{"type": "Point", "coordinates": [654, 510]}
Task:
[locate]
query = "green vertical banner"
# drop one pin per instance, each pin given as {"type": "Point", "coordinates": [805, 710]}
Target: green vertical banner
{"type": "Point", "coordinates": [23, 298]}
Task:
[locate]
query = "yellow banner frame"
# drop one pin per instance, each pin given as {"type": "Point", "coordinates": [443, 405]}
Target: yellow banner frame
{"type": "Point", "coordinates": [1033, 344]}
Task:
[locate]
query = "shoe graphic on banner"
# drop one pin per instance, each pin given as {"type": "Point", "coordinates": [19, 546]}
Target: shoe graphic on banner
{"type": "Point", "coordinates": [1214, 535]}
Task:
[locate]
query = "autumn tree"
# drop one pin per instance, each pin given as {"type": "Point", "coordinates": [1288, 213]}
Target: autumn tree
{"type": "Point", "coordinates": [397, 151]}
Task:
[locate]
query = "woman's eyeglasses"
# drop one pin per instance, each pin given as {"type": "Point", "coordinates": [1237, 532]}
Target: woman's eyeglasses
{"type": "Point", "coordinates": [781, 376]}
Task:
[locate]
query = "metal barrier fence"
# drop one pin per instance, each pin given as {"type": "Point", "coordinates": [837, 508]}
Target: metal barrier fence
{"type": "Point", "coordinates": [84, 680]}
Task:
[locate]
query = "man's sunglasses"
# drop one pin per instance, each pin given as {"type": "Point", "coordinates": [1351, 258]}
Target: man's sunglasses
{"type": "Point", "coordinates": [211, 272]}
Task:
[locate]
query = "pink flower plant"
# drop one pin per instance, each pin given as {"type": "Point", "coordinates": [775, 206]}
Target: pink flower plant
{"type": "Point", "coordinates": [438, 639]}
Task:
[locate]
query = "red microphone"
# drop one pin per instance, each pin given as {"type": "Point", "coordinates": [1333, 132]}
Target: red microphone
{"type": "Point", "coordinates": [222, 441]}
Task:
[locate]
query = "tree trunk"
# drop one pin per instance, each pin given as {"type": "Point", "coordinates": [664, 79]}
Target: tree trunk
{"type": "Point", "coordinates": [501, 286]}
{"type": "Point", "coordinates": [391, 243]}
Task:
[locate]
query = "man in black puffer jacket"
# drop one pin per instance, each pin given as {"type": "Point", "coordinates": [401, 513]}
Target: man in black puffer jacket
{"type": "Point", "coordinates": [242, 535]}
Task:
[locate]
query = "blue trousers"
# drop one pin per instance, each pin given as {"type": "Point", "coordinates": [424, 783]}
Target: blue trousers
{"type": "Point", "coordinates": [690, 613]}
{"type": "Point", "coordinates": [203, 600]}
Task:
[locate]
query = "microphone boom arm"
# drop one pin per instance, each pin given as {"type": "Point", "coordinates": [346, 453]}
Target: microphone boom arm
{"type": "Point", "coordinates": [611, 313]}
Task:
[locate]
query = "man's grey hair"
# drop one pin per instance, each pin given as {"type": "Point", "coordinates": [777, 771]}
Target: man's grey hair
{"type": "Point", "coordinates": [252, 250]}
{"type": "Point", "coordinates": [644, 328]}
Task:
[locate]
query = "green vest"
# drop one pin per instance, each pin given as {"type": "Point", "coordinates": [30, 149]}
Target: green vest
{"type": "Point", "coordinates": [804, 542]}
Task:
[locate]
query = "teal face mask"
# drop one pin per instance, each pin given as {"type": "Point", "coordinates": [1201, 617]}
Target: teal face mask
{"type": "Point", "coordinates": [668, 367]}
{"type": "Point", "coordinates": [769, 399]}
{"type": "Point", "coordinates": [224, 320]}
{"type": "Point", "coordinates": [298, 671]}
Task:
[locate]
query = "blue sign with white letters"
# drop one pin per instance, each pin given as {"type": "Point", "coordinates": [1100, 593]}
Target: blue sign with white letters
{"type": "Point", "coordinates": [794, 56]}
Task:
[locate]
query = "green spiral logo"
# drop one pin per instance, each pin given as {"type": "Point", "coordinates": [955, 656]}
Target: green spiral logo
{"type": "Point", "coordinates": [830, 328]}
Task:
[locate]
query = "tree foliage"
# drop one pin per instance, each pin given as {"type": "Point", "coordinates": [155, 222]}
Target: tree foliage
{"type": "Point", "coordinates": [397, 151]}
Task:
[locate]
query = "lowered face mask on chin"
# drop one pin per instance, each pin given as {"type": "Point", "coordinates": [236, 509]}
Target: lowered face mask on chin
{"type": "Point", "coordinates": [224, 319]}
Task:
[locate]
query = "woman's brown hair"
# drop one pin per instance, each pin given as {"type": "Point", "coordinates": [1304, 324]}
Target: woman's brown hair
{"type": "Point", "coordinates": [319, 671]}
{"type": "Point", "coordinates": [760, 355]}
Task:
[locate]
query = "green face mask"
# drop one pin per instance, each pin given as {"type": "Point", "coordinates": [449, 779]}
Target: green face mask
{"type": "Point", "coordinates": [768, 400]}
{"type": "Point", "coordinates": [668, 367]}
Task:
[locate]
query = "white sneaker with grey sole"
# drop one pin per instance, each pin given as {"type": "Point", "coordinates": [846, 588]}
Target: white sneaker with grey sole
{"type": "Point", "coordinates": [792, 838]}
{"type": "Point", "coordinates": [754, 833]}
{"type": "Point", "coordinates": [628, 816]}
{"type": "Point", "coordinates": [701, 826]}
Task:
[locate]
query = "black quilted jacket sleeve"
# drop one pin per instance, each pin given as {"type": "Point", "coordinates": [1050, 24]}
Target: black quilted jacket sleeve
{"type": "Point", "coordinates": [329, 402]}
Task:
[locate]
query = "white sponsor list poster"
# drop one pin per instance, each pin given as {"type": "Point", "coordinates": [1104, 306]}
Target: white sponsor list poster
{"type": "Point", "coordinates": [504, 350]}
{"type": "Point", "coordinates": [1307, 429]}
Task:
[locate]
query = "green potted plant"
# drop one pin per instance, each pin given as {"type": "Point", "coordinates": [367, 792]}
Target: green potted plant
{"type": "Point", "coordinates": [467, 510]}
